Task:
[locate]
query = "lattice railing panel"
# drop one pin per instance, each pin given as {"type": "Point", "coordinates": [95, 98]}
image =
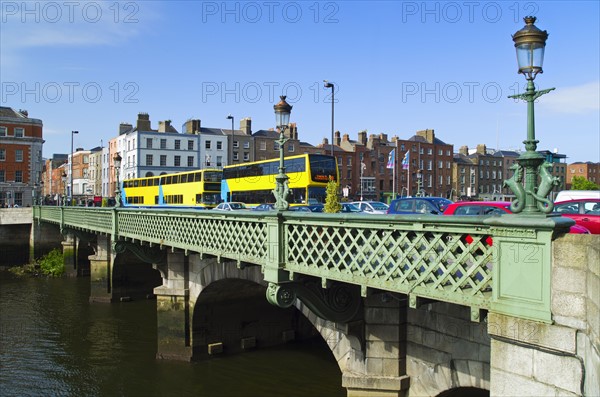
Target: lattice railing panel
{"type": "Point", "coordinates": [50, 214]}
{"type": "Point", "coordinates": [92, 219]}
{"type": "Point", "coordinates": [436, 263]}
{"type": "Point", "coordinates": [244, 239]}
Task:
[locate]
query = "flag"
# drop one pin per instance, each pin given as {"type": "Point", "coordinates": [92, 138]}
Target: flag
{"type": "Point", "coordinates": [391, 159]}
{"type": "Point", "coordinates": [405, 160]}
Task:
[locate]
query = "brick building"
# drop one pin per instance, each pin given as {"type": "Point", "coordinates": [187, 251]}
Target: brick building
{"type": "Point", "coordinates": [587, 170]}
{"type": "Point", "coordinates": [21, 141]}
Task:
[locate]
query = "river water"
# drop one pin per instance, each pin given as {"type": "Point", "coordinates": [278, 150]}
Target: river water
{"type": "Point", "coordinates": [54, 343]}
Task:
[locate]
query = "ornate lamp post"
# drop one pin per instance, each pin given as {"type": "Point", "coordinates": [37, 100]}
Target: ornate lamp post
{"type": "Point", "coordinates": [230, 117]}
{"type": "Point", "coordinates": [419, 183]}
{"type": "Point", "coordinates": [63, 178]}
{"type": "Point", "coordinates": [282, 117]}
{"type": "Point", "coordinates": [330, 85]}
{"type": "Point", "coordinates": [117, 161]}
{"type": "Point", "coordinates": [71, 168]}
{"type": "Point", "coordinates": [530, 43]}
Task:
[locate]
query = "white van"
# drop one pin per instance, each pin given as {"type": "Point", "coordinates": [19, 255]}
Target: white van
{"type": "Point", "coordinates": [577, 195]}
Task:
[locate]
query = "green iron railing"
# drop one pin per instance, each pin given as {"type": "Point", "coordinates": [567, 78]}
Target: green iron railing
{"type": "Point", "coordinates": [497, 263]}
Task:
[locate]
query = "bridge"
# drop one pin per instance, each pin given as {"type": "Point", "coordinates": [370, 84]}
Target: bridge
{"type": "Point", "coordinates": [408, 305]}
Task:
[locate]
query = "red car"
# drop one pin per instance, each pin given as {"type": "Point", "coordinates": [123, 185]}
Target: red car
{"type": "Point", "coordinates": [499, 207]}
{"type": "Point", "coordinates": [585, 212]}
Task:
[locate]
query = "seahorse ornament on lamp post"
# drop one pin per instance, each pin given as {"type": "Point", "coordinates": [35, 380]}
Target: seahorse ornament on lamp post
{"type": "Point", "coordinates": [530, 43]}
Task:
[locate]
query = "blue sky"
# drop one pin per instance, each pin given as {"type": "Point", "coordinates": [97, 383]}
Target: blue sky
{"type": "Point", "coordinates": [398, 66]}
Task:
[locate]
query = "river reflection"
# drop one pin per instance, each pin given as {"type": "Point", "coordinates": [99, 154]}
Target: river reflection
{"type": "Point", "coordinates": [54, 343]}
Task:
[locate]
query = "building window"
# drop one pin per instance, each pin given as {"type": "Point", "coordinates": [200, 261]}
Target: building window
{"type": "Point", "coordinates": [2, 131]}
{"type": "Point", "coordinates": [207, 160]}
{"type": "Point", "coordinates": [421, 150]}
{"type": "Point", "coordinates": [149, 143]}
{"type": "Point", "coordinates": [219, 161]}
{"type": "Point", "coordinates": [2, 177]}
{"type": "Point", "coordinates": [449, 180]}
{"type": "Point", "coordinates": [18, 155]}
{"type": "Point", "coordinates": [2, 154]}
{"type": "Point", "coordinates": [291, 148]}
{"type": "Point", "coordinates": [18, 176]}
{"type": "Point", "coordinates": [349, 162]}
{"type": "Point", "coordinates": [246, 156]}
{"type": "Point", "coordinates": [429, 165]}
{"type": "Point", "coordinates": [19, 132]}
{"type": "Point", "coordinates": [262, 145]}
{"type": "Point", "coordinates": [429, 151]}
{"type": "Point", "coordinates": [190, 161]}
{"type": "Point", "coordinates": [448, 164]}
{"type": "Point", "coordinates": [219, 145]}
{"type": "Point", "coordinates": [447, 152]}
{"type": "Point", "coordinates": [149, 159]}
{"type": "Point", "coordinates": [177, 144]}
{"type": "Point", "coordinates": [236, 144]}
{"type": "Point", "coordinates": [163, 143]}
{"type": "Point", "coordinates": [163, 160]}
{"type": "Point", "coordinates": [246, 145]}
{"type": "Point", "coordinates": [440, 164]}
{"type": "Point", "coordinates": [441, 152]}
{"type": "Point", "coordinates": [177, 161]}
{"type": "Point", "coordinates": [235, 156]}
{"type": "Point", "coordinates": [275, 145]}
{"type": "Point", "coordinates": [190, 144]}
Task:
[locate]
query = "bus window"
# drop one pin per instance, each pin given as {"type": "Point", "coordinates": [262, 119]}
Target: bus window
{"type": "Point", "coordinates": [198, 177]}
{"type": "Point", "coordinates": [144, 182]}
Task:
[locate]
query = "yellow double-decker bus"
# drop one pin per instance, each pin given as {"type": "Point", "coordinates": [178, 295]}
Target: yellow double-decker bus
{"type": "Point", "coordinates": [201, 189]}
{"type": "Point", "coordinates": [253, 183]}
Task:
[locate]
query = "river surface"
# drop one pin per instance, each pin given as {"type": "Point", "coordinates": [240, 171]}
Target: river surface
{"type": "Point", "coordinates": [54, 343]}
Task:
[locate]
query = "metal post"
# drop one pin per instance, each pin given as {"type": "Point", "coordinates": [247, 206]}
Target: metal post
{"type": "Point", "coordinates": [230, 155]}
{"type": "Point", "coordinates": [331, 85]}
{"type": "Point", "coordinates": [71, 169]}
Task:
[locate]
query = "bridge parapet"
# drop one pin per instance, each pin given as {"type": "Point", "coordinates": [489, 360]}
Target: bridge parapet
{"type": "Point", "coordinates": [501, 264]}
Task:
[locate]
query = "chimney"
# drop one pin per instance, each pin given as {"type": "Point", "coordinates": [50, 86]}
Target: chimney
{"type": "Point", "coordinates": [124, 127]}
{"type": "Point", "coordinates": [24, 112]}
{"type": "Point", "coordinates": [191, 126]}
{"type": "Point", "coordinates": [481, 149]}
{"type": "Point", "coordinates": [246, 125]}
{"type": "Point", "coordinates": [383, 137]}
{"type": "Point", "coordinates": [362, 137]}
{"type": "Point", "coordinates": [143, 122]}
{"type": "Point", "coordinates": [346, 138]}
{"type": "Point", "coordinates": [164, 126]}
{"type": "Point", "coordinates": [464, 150]}
{"type": "Point", "coordinates": [336, 138]}
{"type": "Point", "coordinates": [292, 131]}
{"type": "Point", "coordinates": [325, 141]}
{"type": "Point", "coordinates": [429, 135]}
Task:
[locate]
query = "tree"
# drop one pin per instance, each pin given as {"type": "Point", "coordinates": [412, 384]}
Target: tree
{"type": "Point", "coordinates": [580, 183]}
{"type": "Point", "coordinates": [332, 201]}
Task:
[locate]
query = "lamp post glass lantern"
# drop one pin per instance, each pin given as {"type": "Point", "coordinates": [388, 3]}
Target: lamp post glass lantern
{"type": "Point", "coordinates": [282, 118]}
{"type": "Point", "coordinates": [63, 178]}
{"type": "Point", "coordinates": [531, 198]}
{"type": "Point", "coordinates": [117, 162]}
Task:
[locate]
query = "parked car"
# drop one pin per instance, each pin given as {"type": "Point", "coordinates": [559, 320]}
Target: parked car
{"type": "Point", "coordinates": [567, 195]}
{"type": "Point", "coordinates": [264, 207]}
{"type": "Point", "coordinates": [349, 207]}
{"type": "Point", "coordinates": [419, 205]}
{"type": "Point", "coordinates": [316, 207]}
{"type": "Point", "coordinates": [300, 208]}
{"type": "Point", "coordinates": [585, 212]}
{"type": "Point", "coordinates": [494, 208]}
{"type": "Point", "coordinates": [372, 207]}
{"type": "Point", "coordinates": [231, 206]}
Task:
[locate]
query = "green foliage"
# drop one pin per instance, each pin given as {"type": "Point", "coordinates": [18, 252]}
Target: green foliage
{"type": "Point", "coordinates": [580, 183]}
{"type": "Point", "coordinates": [52, 264]}
{"type": "Point", "coordinates": [332, 201]}
{"type": "Point", "coordinates": [105, 202]}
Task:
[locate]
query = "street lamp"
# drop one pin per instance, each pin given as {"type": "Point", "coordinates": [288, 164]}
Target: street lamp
{"type": "Point", "coordinates": [231, 158]}
{"type": "Point", "coordinates": [330, 85]}
{"type": "Point", "coordinates": [419, 183]}
{"type": "Point", "coordinates": [530, 43]}
{"type": "Point", "coordinates": [71, 168]}
{"type": "Point", "coordinates": [363, 166]}
{"type": "Point", "coordinates": [282, 118]}
{"type": "Point", "coordinates": [117, 161]}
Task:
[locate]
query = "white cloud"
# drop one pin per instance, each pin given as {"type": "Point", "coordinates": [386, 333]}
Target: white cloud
{"type": "Point", "coordinates": [578, 99]}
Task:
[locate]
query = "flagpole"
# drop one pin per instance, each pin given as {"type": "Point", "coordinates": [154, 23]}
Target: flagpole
{"type": "Point", "coordinates": [408, 177]}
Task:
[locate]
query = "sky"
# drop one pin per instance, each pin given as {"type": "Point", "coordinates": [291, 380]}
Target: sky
{"type": "Point", "coordinates": [397, 67]}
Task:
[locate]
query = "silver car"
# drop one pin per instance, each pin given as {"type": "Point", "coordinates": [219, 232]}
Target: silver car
{"type": "Point", "coordinates": [372, 207]}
